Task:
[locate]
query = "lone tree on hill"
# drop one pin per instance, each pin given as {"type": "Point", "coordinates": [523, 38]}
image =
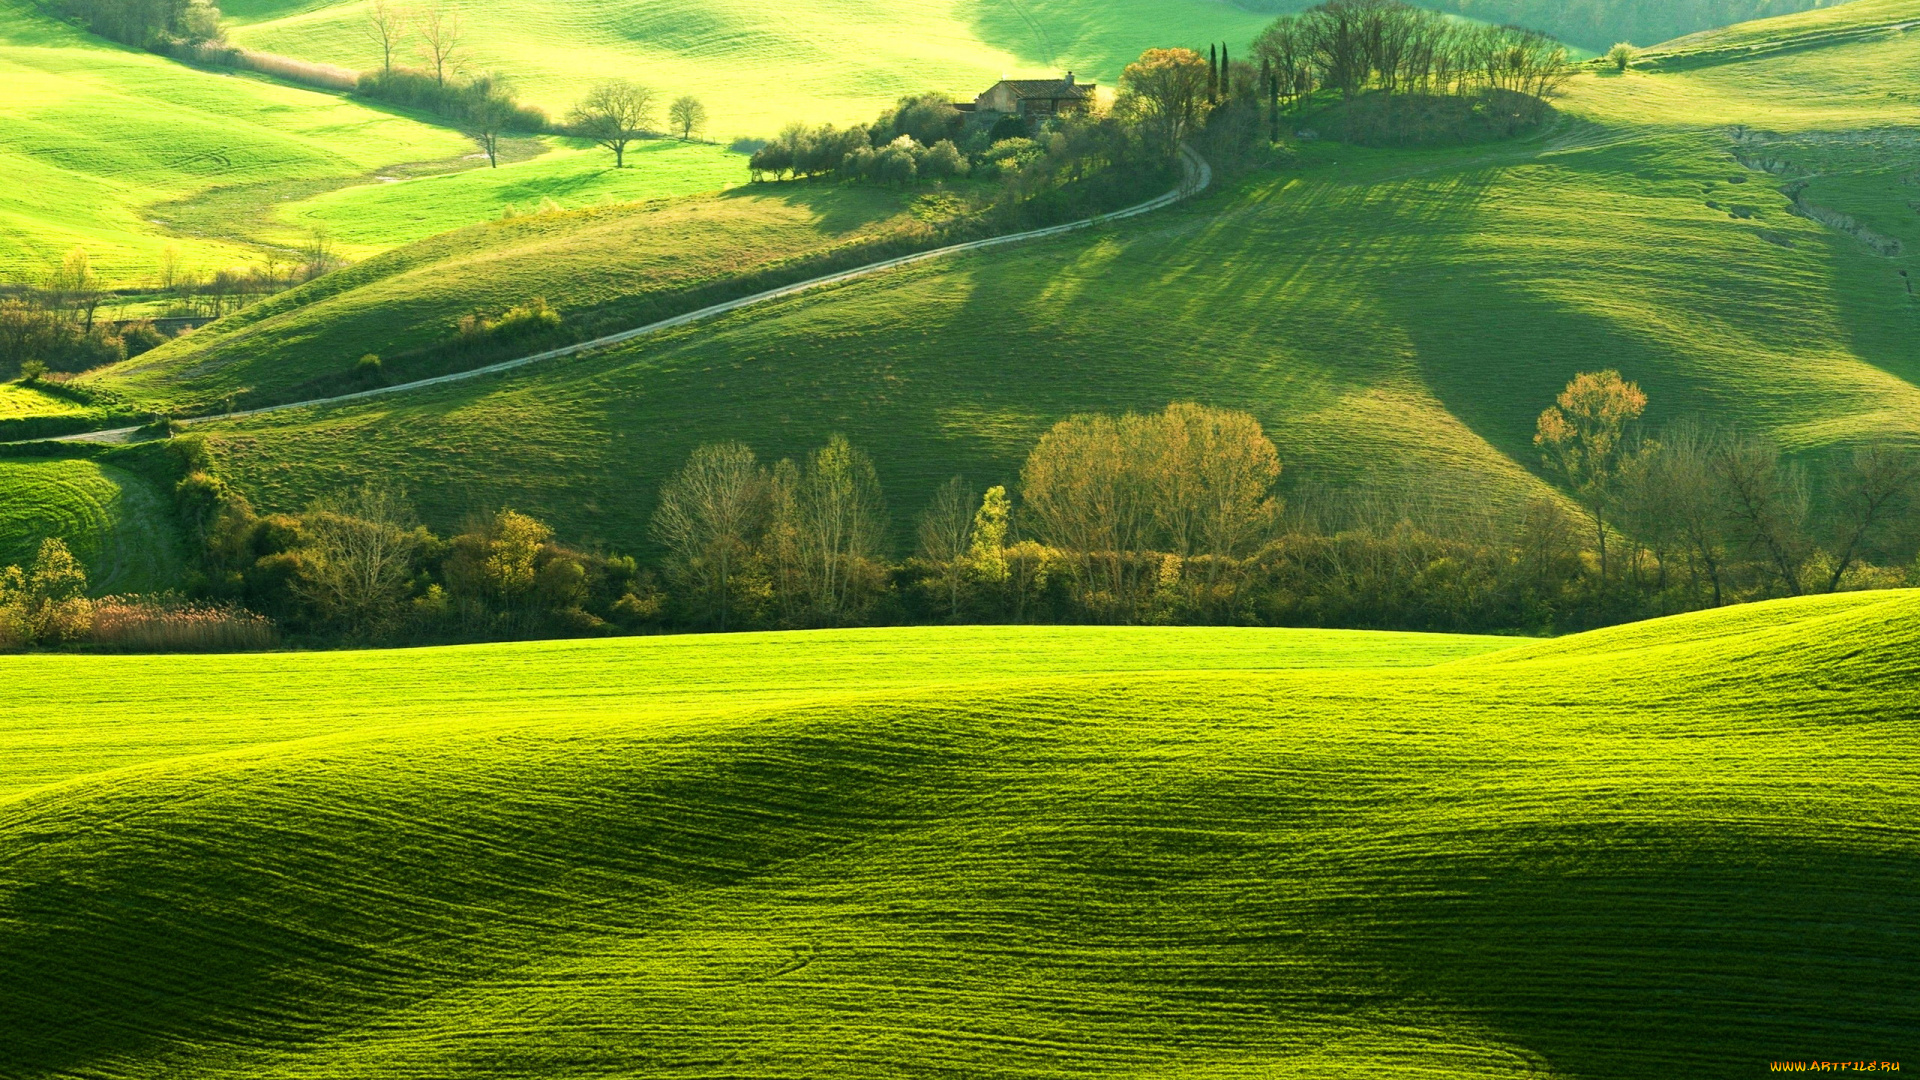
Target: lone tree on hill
{"type": "Point", "coordinates": [1621, 56]}
{"type": "Point", "coordinates": [687, 115]}
{"type": "Point", "coordinates": [1585, 438]}
{"type": "Point", "coordinates": [614, 114]}
{"type": "Point", "coordinates": [386, 26]}
{"type": "Point", "coordinates": [1167, 90]}
{"type": "Point", "coordinates": [440, 41]}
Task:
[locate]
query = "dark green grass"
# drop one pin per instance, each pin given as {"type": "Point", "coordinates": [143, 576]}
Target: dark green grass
{"type": "Point", "coordinates": [116, 522]}
{"type": "Point", "coordinates": [1685, 851]}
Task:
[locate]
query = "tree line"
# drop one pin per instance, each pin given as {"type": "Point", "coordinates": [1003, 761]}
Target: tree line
{"type": "Point", "coordinates": [1174, 517]}
{"type": "Point", "coordinates": [148, 24]}
{"type": "Point", "coordinates": [1390, 48]}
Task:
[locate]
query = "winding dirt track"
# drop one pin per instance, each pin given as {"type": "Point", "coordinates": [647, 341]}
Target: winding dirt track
{"type": "Point", "coordinates": [1198, 176]}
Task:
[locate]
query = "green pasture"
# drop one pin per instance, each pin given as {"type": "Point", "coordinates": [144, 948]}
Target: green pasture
{"type": "Point", "coordinates": [370, 218]}
{"type": "Point", "coordinates": [1681, 847]}
{"type": "Point", "coordinates": [760, 65]}
{"type": "Point", "coordinates": [120, 525]}
{"type": "Point", "coordinates": [95, 139]}
{"type": "Point", "coordinates": [18, 402]}
{"type": "Point", "coordinates": [606, 268]}
{"type": "Point", "coordinates": [1397, 319]}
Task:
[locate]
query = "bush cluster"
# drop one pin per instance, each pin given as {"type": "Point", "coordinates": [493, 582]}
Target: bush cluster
{"type": "Point", "coordinates": [454, 98]}
{"type": "Point", "coordinates": [358, 567]}
{"type": "Point", "coordinates": [532, 319]}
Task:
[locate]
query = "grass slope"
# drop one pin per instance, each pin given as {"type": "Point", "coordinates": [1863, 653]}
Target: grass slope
{"type": "Point", "coordinates": [94, 137]}
{"type": "Point", "coordinates": [115, 522]}
{"type": "Point", "coordinates": [367, 219]}
{"type": "Point", "coordinates": [1680, 847]}
{"type": "Point", "coordinates": [606, 269]}
{"type": "Point", "coordinates": [1396, 318]}
{"type": "Point", "coordinates": [758, 65]}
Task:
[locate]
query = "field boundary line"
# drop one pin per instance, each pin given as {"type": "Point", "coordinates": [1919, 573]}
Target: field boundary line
{"type": "Point", "coordinates": [1196, 176]}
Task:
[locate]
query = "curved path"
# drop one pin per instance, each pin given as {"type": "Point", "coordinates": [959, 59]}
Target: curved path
{"type": "Point", "coordinates": [1197, 177]}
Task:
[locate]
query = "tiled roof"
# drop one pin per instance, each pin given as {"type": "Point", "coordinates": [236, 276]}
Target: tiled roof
{"type": "Point", "coordinates": [1047, 88]}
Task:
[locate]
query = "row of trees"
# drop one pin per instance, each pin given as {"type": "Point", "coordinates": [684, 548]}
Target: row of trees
{"type": "Point", "coordinates": [1173, 517]}
{"type": "Point", "coordinates": [1356, 46]}
{"type": "Point", "coordinates": [153, 24]}
{"type": "Point", "coordinates": [1715, 513]}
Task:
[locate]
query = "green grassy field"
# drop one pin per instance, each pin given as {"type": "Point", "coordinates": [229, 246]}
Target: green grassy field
{"type": "Point", "coordinates": [1680, 847]}
{"type": "Point", "coordinates": [96, 138]}
{"type": "Point", "coordinates": [367, 219]}
{"type": "Point", "coordinates": [759, 65]}
{"type": "Point", "coordinates": [18, 401]}
{"type": "Point", "coordinates": [605, 268]}
{"type": "Point", "coordinates": [1396, 319]}
{"type": "Point", "coordinates": [116, 522]}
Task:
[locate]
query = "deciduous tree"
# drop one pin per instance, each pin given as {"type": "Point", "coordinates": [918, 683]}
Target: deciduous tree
{"type": "Point", "coordinates": [441, 44]}
{"type": "Point", "coordinates": [1167, 90]}
{"type": "Point", "coordinates": [687, 115]}
{"type": "Point", "coordinates": [1586, 436]}
{"type": "Point", "coordinates": [614, 114]}
{"type": "Point", "coordinates": [711, 515]}
{"type": "Point", "coordinates": [386, 26]}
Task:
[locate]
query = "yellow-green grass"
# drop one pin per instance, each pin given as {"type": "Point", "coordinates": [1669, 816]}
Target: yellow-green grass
{"type": "Point", "coordinates": [94, 137]}
{"type": "Point", "coordinates": [19, 402]}
{"type": "Point", "coordinates": [1685, 848]}
{"type": "Point", "coordinates": [52, 732]}
{"type": "Point", "coordinates": [605, 268]}
{"type": "Point", "coordinates": [1823, 26]}
{"type": "Point", "coordinates": [117, 523]}
{"type": "Point", "coordinates": [370, 218]}
{"type": "Point", "coordinates": [758, 65]}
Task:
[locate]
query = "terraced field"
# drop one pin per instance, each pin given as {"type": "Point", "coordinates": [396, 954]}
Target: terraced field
{"type": "Point", "coordinates": [1681, 847]}
{"type": "Point", "coordinates": [760, 65]}
{"type": "Point", "coordinates": [114, 521]}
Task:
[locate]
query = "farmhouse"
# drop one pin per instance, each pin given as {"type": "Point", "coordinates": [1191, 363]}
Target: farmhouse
{"type": "Point", "coordinates": [1035, 97]}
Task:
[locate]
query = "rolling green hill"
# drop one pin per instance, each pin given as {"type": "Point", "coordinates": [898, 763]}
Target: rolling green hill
{"type": "Point", "coordinates": [758, 65]}
{"type": "Point", "coordinates": [116, 522]}
{"type": "Point", "coordinates": [95, 138]}
{"type": "Point", "coordinates": [606, 268]}
{"type": "Point", "coordinates": [1686, 846]}
{"type": "Point", "coordinates": [1395, 318]}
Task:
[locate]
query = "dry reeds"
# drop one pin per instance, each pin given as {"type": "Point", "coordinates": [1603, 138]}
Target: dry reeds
{"type": "Point", "coordinates": [169, 624]}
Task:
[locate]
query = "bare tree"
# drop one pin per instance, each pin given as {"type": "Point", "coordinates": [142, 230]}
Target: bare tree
{"type": "Point", "coordinates": [486, 112]}
{"type": "Point", "coordinates": [76, 287]}
{"type": "Point", "coordinates": [387, 27]}
{"type": "Point", "coordinates": [946, 537]}
{"type": "Point", "coordinates": [1875, 486]}
{"type": "Point", "coordinates": [440, 41]}
{"type": "Point", "coordinates": [710, 515]}
{"type": "Point", "coordinates": [1767, 500]}
{"type": "Point", "coordinates": [359, 565]}
{"type": "Point", "coordinates": [687, 115]}
{"type": "Point", "coordinates": [613, 114]}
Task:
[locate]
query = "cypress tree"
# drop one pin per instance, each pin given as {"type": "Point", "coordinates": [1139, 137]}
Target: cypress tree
{"type": "Point", "coordinates": [1213, 73]}
{"type": "Point", "coordinates": [1226, 73]}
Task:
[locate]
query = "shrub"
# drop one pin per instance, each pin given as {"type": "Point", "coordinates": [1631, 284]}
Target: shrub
{"type": "Point", "coordinates": [368, 369]}
{"type": "Point", "coordinates": [1621, 56]}
{"type": "Point", "coordinates": [33, 371]}
{"type": "Point", "coordinates": [141, 337]}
